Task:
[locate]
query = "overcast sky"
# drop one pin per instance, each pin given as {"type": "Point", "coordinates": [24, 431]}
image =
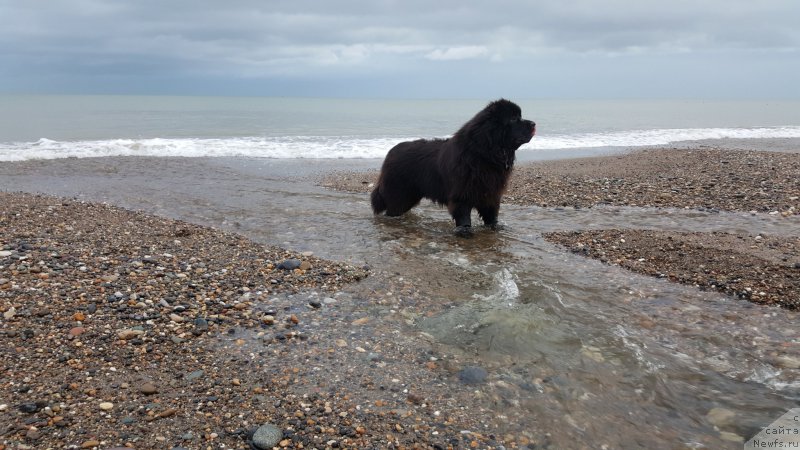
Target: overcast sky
{"type": "Point", "coordinates": [404, 48]}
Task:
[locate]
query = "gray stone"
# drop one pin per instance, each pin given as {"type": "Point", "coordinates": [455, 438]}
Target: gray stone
{"type": "Point", "coordinates": [267, 436]}
{"type": "Point", "coordinates": [472, 375]}
{"type": "Point", "coordinates": [200, 324]}
{"type": "Point", "coordinates": [721, 417]}
{"type": "Point", "coordinates": [290, 264]}
{"type": "Point", "coordinates": [194, 375]}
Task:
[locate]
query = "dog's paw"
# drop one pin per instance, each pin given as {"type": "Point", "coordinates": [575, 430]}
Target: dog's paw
{"type": "Point", "coordinates": [463, 231]}
{"type": "Point", "coordinates": [496, 226]}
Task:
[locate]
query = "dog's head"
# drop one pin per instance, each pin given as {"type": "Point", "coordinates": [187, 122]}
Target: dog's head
{"type": "Point", "coordinates": [510, 129]}
{"type": "Point", "coordinates": [499, 130]}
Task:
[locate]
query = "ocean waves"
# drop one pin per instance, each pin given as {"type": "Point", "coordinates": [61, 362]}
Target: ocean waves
{"type": "Point", "coordinates": [348, 147]}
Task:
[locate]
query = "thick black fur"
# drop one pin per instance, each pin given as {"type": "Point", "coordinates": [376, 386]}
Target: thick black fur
{"type": "Point", "coordinates": [469, 170]}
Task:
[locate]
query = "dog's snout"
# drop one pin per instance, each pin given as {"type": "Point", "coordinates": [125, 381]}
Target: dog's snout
{"type": "Point", "coordinates": [532, 125]}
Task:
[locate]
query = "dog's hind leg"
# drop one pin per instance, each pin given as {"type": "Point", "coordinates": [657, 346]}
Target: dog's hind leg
{"type": "Point", "coordinates": [400, 204]}
{"type": "Point", "coordinates": [489, 215]}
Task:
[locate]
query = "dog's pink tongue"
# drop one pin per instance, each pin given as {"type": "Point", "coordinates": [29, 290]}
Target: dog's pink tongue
{"type": "Point", "coordinates": [533, 132]}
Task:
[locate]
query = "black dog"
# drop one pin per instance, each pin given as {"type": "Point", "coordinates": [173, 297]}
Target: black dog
{"type": "Point", "coordinates": [469, 170]}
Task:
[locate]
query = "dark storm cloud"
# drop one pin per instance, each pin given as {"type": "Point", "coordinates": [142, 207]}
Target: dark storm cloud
{"type": "Point", "coordinates": [391, 40]}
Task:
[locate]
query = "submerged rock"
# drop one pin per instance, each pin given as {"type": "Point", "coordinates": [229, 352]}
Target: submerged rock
{"type": "Point", "coordinates": [472, 375]}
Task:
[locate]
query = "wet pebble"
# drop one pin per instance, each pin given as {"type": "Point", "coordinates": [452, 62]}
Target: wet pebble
{"type": "Point", "coordinates": [129, 333]}
{"type": "Point", "coordinates": [29, 408]}
{"type": "Point", "coordinates": [148, 388]}
{"type": "Point", "coordinates": [290, 264]}
{"type": "Point", "coordinates": [200, 324]}
{"type": "Point", "coordinates": [788, 362]}
{"type": "Point", "coordinates": [472, 375]}
{"type": "Point", "coordinates": [731, 437]}
{"type": "Point", "coordinates": [76, 331]}
{"type": "Point", "coordinates": [176, 318]}
{"type": "Point", "coordinates": [267, 436]}
{"type": "Point", "coordinates": [720, 417]}
{"type": "Point", "coordinates": [33, 435]}
{"type": "Point", "coordinates": [194, 375]}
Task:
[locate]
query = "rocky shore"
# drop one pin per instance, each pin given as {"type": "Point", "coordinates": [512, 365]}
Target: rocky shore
{"type": "Point", "coordinates": [763, 269]}
{"type": "Point", "coordinates": [122, 329]}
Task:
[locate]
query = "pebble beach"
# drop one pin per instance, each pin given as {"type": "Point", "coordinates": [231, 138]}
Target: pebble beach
{"type": "Point", "coordinates": [129, 330]}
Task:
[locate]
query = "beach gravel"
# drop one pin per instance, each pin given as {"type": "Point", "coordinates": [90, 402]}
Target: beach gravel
{"type": "Point", "coordinates": [756, 268]}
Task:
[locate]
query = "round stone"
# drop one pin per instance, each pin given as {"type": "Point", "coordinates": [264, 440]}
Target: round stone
{"type": "Point", "coordinates": [106, 406]}
{"type": "Point", "coordinates": [148, 389]}
{"type": "Point", "coordinates": [267, 436]}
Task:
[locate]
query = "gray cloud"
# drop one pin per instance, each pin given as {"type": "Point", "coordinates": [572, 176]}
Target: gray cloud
{"type": "Point", "coordinates": [144, 44]}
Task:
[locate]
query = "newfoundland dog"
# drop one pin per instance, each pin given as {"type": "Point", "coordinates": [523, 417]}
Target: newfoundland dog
{"type": "Point", "coordinates": [469, 170]}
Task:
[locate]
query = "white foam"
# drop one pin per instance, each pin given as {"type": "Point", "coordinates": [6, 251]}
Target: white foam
{"type": "Point", "coordinates": [639, 138]}
{"type": "Point", "coordinates": [285, 147]}
{"type": "Point", "coordinates": [351, 147]}
{"type": "Point", "coordinates": [506, 290]}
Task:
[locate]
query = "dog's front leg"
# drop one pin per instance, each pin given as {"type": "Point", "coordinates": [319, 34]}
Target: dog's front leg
{"type": "Point", "coordinates": [461, 214]}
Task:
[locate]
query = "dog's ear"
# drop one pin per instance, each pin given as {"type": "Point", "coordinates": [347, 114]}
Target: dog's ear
{"type": "Point", "coordinates": [486, 132]}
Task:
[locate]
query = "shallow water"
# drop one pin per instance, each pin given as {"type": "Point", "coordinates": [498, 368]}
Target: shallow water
{"type": "Point", "coordinates": [591, 353]}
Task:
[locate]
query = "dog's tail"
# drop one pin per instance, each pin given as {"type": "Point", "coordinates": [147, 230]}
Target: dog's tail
{"type": "Point", "coordinates": [378, 202]}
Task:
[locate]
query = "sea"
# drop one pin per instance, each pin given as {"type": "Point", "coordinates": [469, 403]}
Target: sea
{"type": "Point", "coordinates": [67, 126]}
